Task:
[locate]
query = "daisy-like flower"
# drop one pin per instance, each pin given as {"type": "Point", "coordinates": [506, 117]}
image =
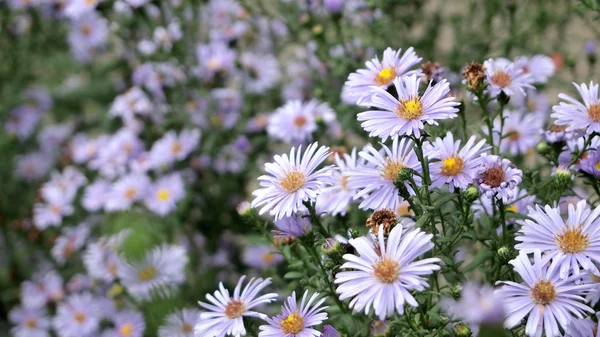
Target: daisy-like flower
{"type": "Point", "coordinates": [498, 177]}
{"type": "Point", "coordinates": [261, 72]}
{"type": "Point", "coordinates": [296, 321]}
{"type": "Point", "coordinates": [456, 167]}
{"type": "Point", "coordinates": [44, 287]}
{"type": "Point", "coordinates": [591, 164]}
{"type": "Point", "coordinates": [549, 300]}
{"type": "Point", "coordinates": [71, 240]}
{"type": "Point", "coordinates": [164, 194]}
{"type": "Point", "coordinates": [291, 181]}
{"type": "Point", "coordinates": [261, 257]}
{"type": "Point", "coordinates": [33, 166]}
{"type": "Point", "coordinates": [127, 324]}
{"type": "Point", "coordinates": [375, 179]}
{"type": "Point", "coordinates": [576, 238]}
{"type": "Point", "coordinates": [291, 227]}
{"type": "Point", "coordinates": [126, 191]}
{"type": "Point", "coordinates": [214, 58]}
{"type": "Point", "coordinates": [583, 327]}
{"type": "Point", "coordinates": [335, 199]}
{"type": "Point", "coordinates": [520, 132]}
{"type": "Point", "coordinates": [558, 133]}
{"type": "Point", "coordinates": [295, 122]}
{"type": "Point", "coordinates": [386, 271]}
{"type": "Point", "coordinates": [180, 324]}
{"type": "Point", "coordinates": [540, 67]}
{"type": "Point", "coordinates": [407, 114]}
{"type": "Point", "coordinates": [162, 269]}
{"type": "Point", "coordinates": [504, 76]}
{"type": "Point", "coordinates": [29, 322]}
{"type": "Point", "coordinates": [226, 313]}
{"type": "Point", "coordinates": [172, 147]}
{"type": "Point", "coordinates": [77, 316]}
{"type": "Point", "coordinates": [381, 73]}
{"type": "Point", "coordinates": [577, 115]}
{"type": "Point", "coordinates": [101, 259]}
{"type": "Point", "coordinates": [95, 195]}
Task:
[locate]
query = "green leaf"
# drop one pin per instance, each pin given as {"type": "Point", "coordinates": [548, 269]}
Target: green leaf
{"type": "Point", "coordinates": [292, 275]}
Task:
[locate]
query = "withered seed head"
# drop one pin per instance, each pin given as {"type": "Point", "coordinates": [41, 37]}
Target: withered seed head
{"type": "Point", "coordinates": [429, 69]}
{"type": "Point", "coordinates": [383, 217]}
{"type": "Point", "coordinates": [474, 73]}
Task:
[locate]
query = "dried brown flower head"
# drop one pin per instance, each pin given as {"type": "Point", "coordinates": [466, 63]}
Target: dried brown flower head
{"type": "Point", "coordinates": [474, 73]}
{"type": "Point", "coordinates": [383, 217]}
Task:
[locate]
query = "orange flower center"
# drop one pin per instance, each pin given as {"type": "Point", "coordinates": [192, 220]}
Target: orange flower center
{"type": "Point", "coordinates": [543, 292]}
{"type": "Point", "coordinates": [594, 112]}
{"type": "Point", "coordinates": [293, 181]}
{"type": "Point", "coordinates": [501, 79]}
{"type": "Point", "coordinates": [80, 317]}
{"type": "Point", "coordinates": [386, 271]}
{"type": "Point", "coordinates": [126, 329]}
{"type": "Point", "coordinates": [572, 240]}
{"type": "Point", "coordinates": [391, 170]}
{"type": "Point", "coordinates": [234, 309]}
{"type": "Point", "coordinates": [300, 121]}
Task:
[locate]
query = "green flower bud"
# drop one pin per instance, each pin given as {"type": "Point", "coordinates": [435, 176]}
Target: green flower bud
{"type": "Point", "coordinates": [471, 194]}
{"type": "Point", "coordinates": [455, 291]}
{"type": "Point", "coordinates": [562, 178]}
{"type": "Point", "coordinates": [543, 148]}
{"type": "Point", "coordinates": [504, 254]}
{"type": "Point", "coordinates": [462, 330]}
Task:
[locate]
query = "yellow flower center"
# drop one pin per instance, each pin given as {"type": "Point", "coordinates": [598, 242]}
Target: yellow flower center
{"type": "Point", "coordinates": [163, 194]}
{"type": "Point", "coordinates": [130, 193]}
{"type": "Point", "coordinates": [90, 2]}
{"type": "Point", "coordinates": [543, 292]}
{"type": "Point", "coordinates": [493, 176]}
{"type": "Point", "coordinates": [410, 109]}
{"type": "Point", "coordinates": [126, 329]}
{"type": "Point", "coordinates": [512, 208]}
{"type": "Point", "coordinates": [31, 323]}
{"type": "Point", "coordinates": [598, 166]}
{"type": "Point", "coordinates": [501, 79]}
{"type": "Point", "coordinates": [147, 274]}
{"type": "Point", "coordinates": [572, 240]}
{"type": "Point", "coordinates": [385, 76]}
{"type": "Point", "coordinates": [391, 170]}
{"type": "Point", "coordinates": [452, 166]}
{"type": "Point", "coordinates": [187, 328]}
{"type": "Point", "coordinates": [235, 309]}
{"type": "Point", "coordinates": [293, 181]}
{"type": "Point", "coordinates": [300, 121]}
{"type": "Point", "coordinates": [404, 209]}
{"type": "Point", "coordinates": [594, 112]}
{"type": "Point", "coordinates": [79, 317]}
{"type": "Point", "coordinates": [386, 271]}
{"type": "Point", "coordinates": [292, 324]}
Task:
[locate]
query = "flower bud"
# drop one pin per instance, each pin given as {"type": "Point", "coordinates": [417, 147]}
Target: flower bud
{"type": "Point", "coordinates": [462, 330]}
{"type": "Point", "coordinates": [590, 51]}
{"type": "Point", "coordinates": [379, 328]}
{"type": "Point", "coordinates": [471, 194]}
{"type": "Point", "coordinates": [562, 177]}
{"type": "Point", "coordinates": [543, 148]}
{"type": "Point", "coordinates": [329, 331]}
{"type": "Point", "coordinates": [504, 254]}
{"type": "Point", "coordinates": [456, 291]}
{"type": "Point", "coordinates": [334, 6]}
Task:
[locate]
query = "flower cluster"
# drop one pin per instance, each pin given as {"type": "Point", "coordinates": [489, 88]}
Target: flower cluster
{"type": "Point", "coordinates": [331, 168]}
